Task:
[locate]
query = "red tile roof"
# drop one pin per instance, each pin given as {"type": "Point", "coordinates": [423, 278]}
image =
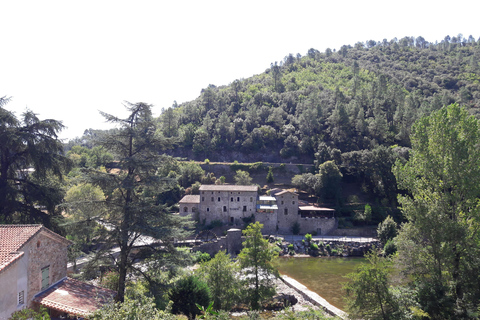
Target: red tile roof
{"type": "Point", "coordinates": [12, 238]}
{"type": "Point", "coordinates": [75, 297]}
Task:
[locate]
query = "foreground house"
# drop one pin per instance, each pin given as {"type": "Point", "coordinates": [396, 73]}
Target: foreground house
{"type": "Point", "coordinates": [33, 272]}
{"type": "Point", "coordinates": [278, 212]}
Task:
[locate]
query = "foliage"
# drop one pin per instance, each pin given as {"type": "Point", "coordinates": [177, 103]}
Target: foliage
{"type": "Point", "coordinates": [295, 228]}
{"type": "Point", "coordinates": [270, 178]}
{"type": "Point", "coordinates": [187, 293]}
{"type": "Point", "coordinates": [367, 294]}
{"type": "Point", "coordinates": [202, 257]}
{"type": "Point", "coordinates": [32, 166]}
{"type": "Point", "coordinates": [389, 248]}
{"type": "Point", "coordinates": [439, 244]}
{"type": "Point", "coordinates": [132, 193]}
{"type": "Point", "coordinates": [110, 280]}
{"type": "Point", "coordinates": [256, 260]}
{"type": "Point", "coordinates": [242, 178]}
{"type": "Point", "coordinates": [30, 314]}
{"type": "Point", "coordinates": [387, 230]}
{"type": "Point", "coordinates": [366, 215]}
{"type": "Point", "coordinates": [220, 274]}
{"type": "Point", "coordinates": [310, 314]}
{"type": "Point", "coordinates": [141, 307]}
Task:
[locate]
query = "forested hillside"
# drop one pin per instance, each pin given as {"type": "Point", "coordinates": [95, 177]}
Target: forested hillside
{"type": "Point", "coordinates": [328, 103]}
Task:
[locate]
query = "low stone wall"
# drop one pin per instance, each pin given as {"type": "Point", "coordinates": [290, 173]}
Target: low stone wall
{"type": "Point", "coordinates": [355, 232]}
{"type": "Point", "coordinates": [231, 243]}
{"type": "Point", "coordinates": [314, 298]}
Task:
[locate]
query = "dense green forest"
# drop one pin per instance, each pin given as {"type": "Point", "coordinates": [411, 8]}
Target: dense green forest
{"type": "Point", "coordinates": [314, 106]}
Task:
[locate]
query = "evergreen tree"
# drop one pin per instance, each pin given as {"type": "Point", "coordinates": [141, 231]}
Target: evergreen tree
{"type": "Point", "coordinates": [32, 165]}
{"type": "Point", "coordinates": [131, 192]}
{"type": "Point", "coordinates": [256, 259]}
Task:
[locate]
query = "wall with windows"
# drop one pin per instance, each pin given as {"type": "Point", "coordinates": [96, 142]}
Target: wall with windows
{"type": "Point", "coordinates": [47, 262]}
{"type": "Point", "coordinates": [226, 206]}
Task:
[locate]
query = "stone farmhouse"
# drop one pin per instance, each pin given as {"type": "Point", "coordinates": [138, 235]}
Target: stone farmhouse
{"type": "Point", "coordinates": [278, 212]}
{"type": "Point", "coordinates": [33, 272]}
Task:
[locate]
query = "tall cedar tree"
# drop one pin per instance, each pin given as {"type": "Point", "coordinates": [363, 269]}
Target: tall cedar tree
{"type": "Point", "coordinates": [31, 166]}
{"type": "Point", "coordinates": [132, 191]}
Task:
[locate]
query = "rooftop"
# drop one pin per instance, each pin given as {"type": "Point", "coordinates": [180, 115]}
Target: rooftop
{"type": "Point", "coordinates": [227, 187]}
{"type": "Point", "coordinates": [12, 238]}
{"type": "Point", "coordinates": [75, 297]}
{"type": "Point", "coordinates": [190, 198]}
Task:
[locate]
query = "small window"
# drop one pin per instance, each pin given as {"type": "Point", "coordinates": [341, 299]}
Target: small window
{"type": "Point", "coordinates": [38, 244]}
{"type": "Point", "coordinates": [212, 199]}
{"type": "Point", "coordinates": [185, 209]}
{"type": "Point", "coordinates": [218, 199]}
{"type": "Point", "coordinates": [208, 209]}
{"type": "Point", "coordinates": [244, 208]}
{"type": "Point", "coordinates": [293, 202]}
{"type": "Point", "coordinates": [286, 211]}
{"type": "Point", "coordinates": [238, 198]}
{"type": "Point", "coordinates": [203, 198]}
{"type": "Point", "coordinates": [224, 208]}
{"type": "Point", "coordinates": [212, 192]}
{"type": "Point", "coordinates": [203, 192]}
{"type": "Point", "coordinates": [21, 297]}
{"type": "Point", "coordinates": [45, 277]}
{"type": "Point", "coordinates": [232, 219]}
{"type": "Point", "coordinates": [282, 201]}
{"type": "Point", "coordinates": [231, 199]}
{"type": "Point", "coordinates": [251, 199]}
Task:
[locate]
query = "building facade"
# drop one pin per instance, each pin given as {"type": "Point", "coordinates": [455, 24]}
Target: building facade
{"type": "Point", "coordinates": [278, 212]}
{"type": "Point", "coordinates": [33, 262]}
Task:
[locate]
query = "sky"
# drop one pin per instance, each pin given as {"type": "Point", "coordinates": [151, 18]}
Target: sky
{"type": "Point", "coordinates": [66, 60]}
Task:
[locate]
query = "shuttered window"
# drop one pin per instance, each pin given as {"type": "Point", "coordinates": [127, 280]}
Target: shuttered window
{"type": "Point", "coordinates": [45, 278]}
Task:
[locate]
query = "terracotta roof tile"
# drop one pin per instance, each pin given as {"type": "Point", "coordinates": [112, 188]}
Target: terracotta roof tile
{"type": "Point", "coordinates": [12, 238]}
{"type": "Point", "coordinates": [75, 297]}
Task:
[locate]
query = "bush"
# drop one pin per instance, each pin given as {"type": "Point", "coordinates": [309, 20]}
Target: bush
{"type": "Point", "coordinates": [270, 178]}
{"type": "Point", "coordinates": [313, 246]}
{"type": "Point", "coordinates": [291, 248]}
{"type": "Point", "coordinates": [389, 248]}
{"type": "Point", "coordinates": [207, 161]}
{"type": "Point", "coordinates": [202, 257]}
{"type": "Point", "coordinates": [187, 293]}
{"type": "Point", "coordinates": [110, 280]}
{"type": "Point", "coordinates": [296, 228]}
{"type": "Point", "coordinates": [387, 230]}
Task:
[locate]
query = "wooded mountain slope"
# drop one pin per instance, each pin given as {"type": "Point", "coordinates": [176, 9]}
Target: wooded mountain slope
{"type": "Point", "coordinates": [325, 104]}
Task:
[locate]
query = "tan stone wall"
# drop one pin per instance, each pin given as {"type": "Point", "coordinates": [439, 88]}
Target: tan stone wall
{"type": "Point", "coordinates": [320, 226]}
{"type": "Point", "coordinates": [269, 221]}
{"type": "Point", "coordinates": [50, 252]}
{"type": "Point", "coordinates": [286, 219]}
{"type": "Point", "coordinates": [189, 209]}
{"type": "Point", "coordinates": [225, 205]}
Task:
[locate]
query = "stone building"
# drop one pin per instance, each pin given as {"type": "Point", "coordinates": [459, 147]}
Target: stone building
{"type": "Point", "coordinates": [33, 271]}
{"type": "Point", "coordinates": [278, 212]}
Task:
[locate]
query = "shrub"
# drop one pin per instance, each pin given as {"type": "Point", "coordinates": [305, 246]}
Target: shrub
{"type": "Point", "coordinates": [270, 178]}
{"type": "Point", "coordinates": [207, 161]}
{"type": "Point", "coordinates": [389, 248]}
{"type": "Point", "coordinates": [296, 228]}
{"type": "Point", "coordinates": [290, 247]}
{"type": "Point", "coordinates": [214, 224]}
{"type": "Point", "coordinates": [110, 280]}
{"type": "Point", "coordinates": [313, 246]}
{"type": "Point", "coordinates": [187, 293]}
{"type": "Point", "coordinates": [202, 257]}
{"type": "Point", "coordinates": [308, 237]}
{"type": "Point", "coordinates": [387, 229]}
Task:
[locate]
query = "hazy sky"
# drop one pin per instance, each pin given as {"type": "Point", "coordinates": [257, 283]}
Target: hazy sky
{"type": "Point", "coordinates": [66, 60]}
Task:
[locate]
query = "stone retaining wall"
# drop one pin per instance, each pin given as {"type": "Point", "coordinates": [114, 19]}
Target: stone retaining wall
{"type": "Point", "coordinates": [313, 297]}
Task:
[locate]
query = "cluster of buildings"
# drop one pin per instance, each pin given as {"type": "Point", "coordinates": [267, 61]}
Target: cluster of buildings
{"type": "Point", "coordinates": [33, 273]}
{"type": "Point", "coordinates": [278, 212]}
